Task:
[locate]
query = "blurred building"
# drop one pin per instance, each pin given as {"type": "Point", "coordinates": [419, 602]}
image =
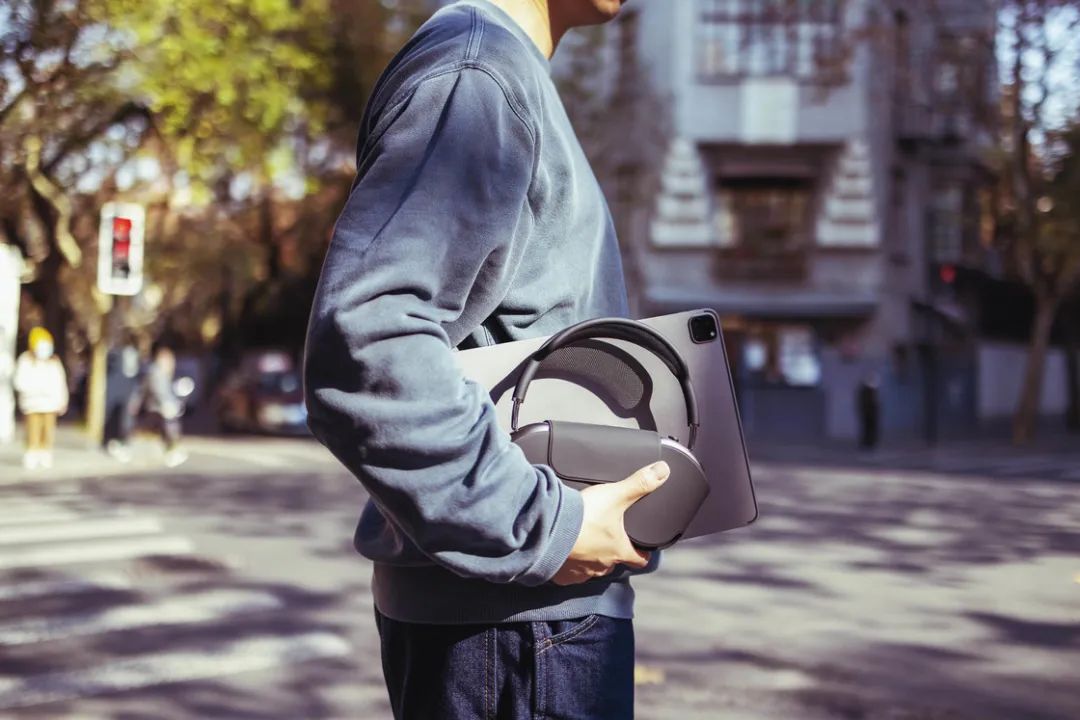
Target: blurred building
{"type": "Point", "coordinates": [819, 183]}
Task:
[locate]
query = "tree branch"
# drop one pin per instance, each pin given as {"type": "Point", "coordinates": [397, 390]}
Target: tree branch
{"type": "Point", "coordinates": [1020, 156]}
{"type": "Point", "coordinates": [77, 141]}
{"type": "Point", "coordinates": [44, 186]}
{"type": "Point", "coordinates": [10, 107]}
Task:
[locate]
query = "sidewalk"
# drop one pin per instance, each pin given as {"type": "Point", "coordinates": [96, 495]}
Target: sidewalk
{"type": "Point", "coordinates": [1049, 457]}
{"type": "Point", "coordinates": [1052, 455]}
{"type": "Point", "coordinates": [76, 456]}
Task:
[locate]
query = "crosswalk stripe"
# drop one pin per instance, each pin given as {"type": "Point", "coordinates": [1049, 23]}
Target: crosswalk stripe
{"type": "Point", "coordinates": [260, 458]}
{"type": "Point", "coordinates": [63, 490]}
{"type": "Point", "coordinates": [79, 552]}
{"type": "Point", "coordinates": [307, 453]}
{"type": "Point", "coordinates": [148, 670]}
{"type": "Point", "coordinates": [1031, 465]}
{"type": "Point", "coordinates": [174, 610]}
{"type": "Point", "coordinates": [64, 586]}
{"type": "Point", "coordinates": [17, 507]}
{"type": "Point", "coordinates": [54, 492]}
{"type": "Point", "coordinates": [45, 517]}
{"type": "Point", "coordinates": [83, 529]}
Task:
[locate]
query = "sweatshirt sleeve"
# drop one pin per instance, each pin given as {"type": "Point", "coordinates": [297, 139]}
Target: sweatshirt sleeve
{"type": "Point", "coordinates": [431, 235]}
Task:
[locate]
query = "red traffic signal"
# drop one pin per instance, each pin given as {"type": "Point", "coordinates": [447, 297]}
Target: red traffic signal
{"type": "Point", "coordinates": [121, 248]}
{"type": "Point", "coordinates": [120, 255]}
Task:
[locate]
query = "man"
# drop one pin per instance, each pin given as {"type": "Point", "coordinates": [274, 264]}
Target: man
{"type": "Point", "coordinates": [161, 402]}
{"type": "Point", "coordinates": [474, 219]}
{"type": "Point", "coordinates": [122, 382]}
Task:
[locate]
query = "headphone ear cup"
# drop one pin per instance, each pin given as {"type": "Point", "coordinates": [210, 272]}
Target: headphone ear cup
{"type": "Point", "coordinates": [660, 518]}
{"type": "Point", "coordinates": [655, 521]}
{"type": "Point", "coordinates": [533, 441]}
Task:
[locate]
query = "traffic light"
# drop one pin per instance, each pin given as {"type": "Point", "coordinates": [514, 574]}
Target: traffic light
{"type": "Point", "coordinates": [120, 248]}
{"type": "Point", "coordinates": [944, 278]}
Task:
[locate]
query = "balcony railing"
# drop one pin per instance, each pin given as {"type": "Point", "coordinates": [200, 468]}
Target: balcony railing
{"type": "Point", "coordinates": [742, 263]}
{"type": "Point", "coordinates": [919, 122]}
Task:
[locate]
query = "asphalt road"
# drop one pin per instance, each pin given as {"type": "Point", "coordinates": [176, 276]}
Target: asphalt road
{"type": "Point", "coordinates": [228, 588]}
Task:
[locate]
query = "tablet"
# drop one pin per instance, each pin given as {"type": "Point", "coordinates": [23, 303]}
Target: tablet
{"type": "Point", "coordinates": [614, 382]}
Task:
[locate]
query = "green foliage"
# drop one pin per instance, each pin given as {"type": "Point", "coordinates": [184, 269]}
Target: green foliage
{"type": "Point", "coordinates": [210, 95]}
{"type": "Point", "coordinates": [224, 79]}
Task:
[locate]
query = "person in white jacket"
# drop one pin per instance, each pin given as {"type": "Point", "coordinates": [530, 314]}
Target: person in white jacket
{"type": "Point", "coordinates": [41, 385]}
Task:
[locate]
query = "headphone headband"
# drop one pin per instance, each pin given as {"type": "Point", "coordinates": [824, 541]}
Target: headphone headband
{"type": "Point", "coordinates": [615, 329]}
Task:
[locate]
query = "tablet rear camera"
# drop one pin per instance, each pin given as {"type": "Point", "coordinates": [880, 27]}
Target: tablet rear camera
{"type": "Point", "coordinates": [703, 328]}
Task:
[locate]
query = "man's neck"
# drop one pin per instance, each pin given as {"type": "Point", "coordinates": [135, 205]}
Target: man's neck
{"type": "Point", "coordinates": [534, 17]}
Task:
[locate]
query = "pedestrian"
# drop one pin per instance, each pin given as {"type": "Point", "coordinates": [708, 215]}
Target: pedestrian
{"type": "Point", "coordinates": [474, 218]}
{"type": "Point", "coordinates": [41, 385]}
{"type": "Point", "coordinates": [161, 402]}
{"type": "Point", "coordinates": [121, 399]}
{"type": "Point", "coordinates": [869, 405]}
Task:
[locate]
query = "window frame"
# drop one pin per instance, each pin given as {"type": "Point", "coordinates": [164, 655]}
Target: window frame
{"type": "Point", "coordinates": [761, 27]}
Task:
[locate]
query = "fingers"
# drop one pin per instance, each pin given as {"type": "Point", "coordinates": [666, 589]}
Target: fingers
{"type": "Point", "coordinates": [638, 559]}
{"type": "Point", "coordinates": [579, 573]}
{"type": "Point", "coordinates": [643, 482]}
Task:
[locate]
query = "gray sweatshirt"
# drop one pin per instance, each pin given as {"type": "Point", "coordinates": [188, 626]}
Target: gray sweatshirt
{"type": "Point", "coordinates": [474, 219]}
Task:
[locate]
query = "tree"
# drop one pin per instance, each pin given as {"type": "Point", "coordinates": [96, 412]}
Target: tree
{"type": "Point", "coordinates": [220, 116]}
{"type": "Point", "coordinates": [90, 86]}
{"type": "Point", "coordinates": [623, 125]}
{"type": "Point", "coordinates": [1062, 242]}
{"type": "Point", "coordinates": [1040, 48]}
{"type": "Point", "coordinates": [215, 113]}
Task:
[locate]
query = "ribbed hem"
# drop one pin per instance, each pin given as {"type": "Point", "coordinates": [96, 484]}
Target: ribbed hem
{"type": "Point", "coordinates": [564, 534]}
{"type": "Point", "coordinates": [431, 594]}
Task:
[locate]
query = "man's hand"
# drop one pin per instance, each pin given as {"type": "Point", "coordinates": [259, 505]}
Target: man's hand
{"type": "Point", "coordinates": [602, 543]}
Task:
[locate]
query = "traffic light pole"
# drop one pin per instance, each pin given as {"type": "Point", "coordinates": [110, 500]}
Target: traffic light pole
{"type": "Point", "coordinates": [120, 258]}
{"type": "Point", "coordinates": [108, 318]}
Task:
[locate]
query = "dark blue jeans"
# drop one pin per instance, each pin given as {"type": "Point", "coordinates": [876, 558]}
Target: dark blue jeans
{"type": "Point", "coordinates": [581, 669]}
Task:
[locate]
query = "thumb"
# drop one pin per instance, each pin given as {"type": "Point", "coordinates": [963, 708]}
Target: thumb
{"type": "Point", "coordinates": [643, 482]}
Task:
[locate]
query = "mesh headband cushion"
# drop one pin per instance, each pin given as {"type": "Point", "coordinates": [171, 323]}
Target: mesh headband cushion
{"type": "Point", "coordinates": [619, 329]}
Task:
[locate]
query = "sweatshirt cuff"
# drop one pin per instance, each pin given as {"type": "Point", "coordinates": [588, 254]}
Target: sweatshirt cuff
{"type": "Point", "coordinates": [564, 534]}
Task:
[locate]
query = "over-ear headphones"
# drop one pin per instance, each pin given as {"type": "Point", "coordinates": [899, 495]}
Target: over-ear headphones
{"type": "Point", "coordinates": [586, 454]}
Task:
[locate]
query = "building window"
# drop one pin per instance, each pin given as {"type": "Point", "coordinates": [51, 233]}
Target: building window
{"type": "Point", "coordinates": [781, 354]}
{"type": "Point", "coordinates": [947, 224]}
{"type": "Point", "coordinates": [755, 38]}
{"type": "Point", "coordinates": [948, 80]}
{"type": "Point", "coordinates": [898, 232]}
{"type": "Point", "coordinates": [962, 64]}
{"type": "Point", "coordinates": [766, 225]}
{"type": "Point", "coordinates": [766, 217]}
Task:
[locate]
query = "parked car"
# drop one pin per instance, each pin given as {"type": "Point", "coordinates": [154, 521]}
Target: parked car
{"type": "Point", "coordinates": [262, 394]}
